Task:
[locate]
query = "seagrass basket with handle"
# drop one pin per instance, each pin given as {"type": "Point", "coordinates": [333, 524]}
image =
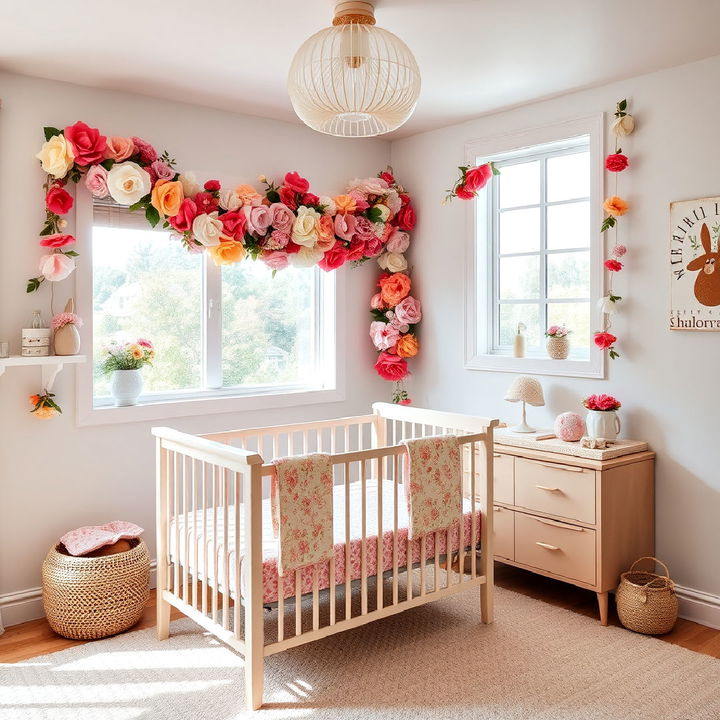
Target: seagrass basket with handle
{"type": "Point", "coordinates": [646, 602]}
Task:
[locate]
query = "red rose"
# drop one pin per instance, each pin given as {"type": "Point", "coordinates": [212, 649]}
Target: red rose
{"type": "Point", "coordinates": [613, 265]}
{"type": "Point", "coordinates": [295, 182]}
{"type": "Point", "coordinates": [616, 162]}
{"type": "Point", "coordinates": [87, 143]}
{"type": "Point", "coordinates": [234, 224]}
{"type": "Point", "coordinates": [336, 256]}
{"type": "Point", "coordinates": [310, 199]}
{"type": "Point", "coordinates": [183, 221]}
{"type": "Point", "coordinates": [391, 367]}
{"type": "Point", "coordinates": [212, 185]}
{"type": "Point", "coordinates": [604, 340]}
{"type": "Point", "coordinates": [476, 178]}
{"type": "Point", "coordinates": [404, 199]}
{"type": "Point", "coordinates": [148, 154]}
{"type": "Point", "coordinates": [58, 201]}
{"type": "Point", "coordinates": [288, 196]}
{"type": "Point", "coordinates": [387, 177]}
{"type": "Point", "coordinates": [56, 241]}
{"type": "Point", "coordinates": [206, 202]}
{"type": "Point", "coordinates": [463, 193]}
{"type": "Point", "coordinates": [291, 248]}
{"type": "Point", "coordinates": [356, 249]}
{"type": "Point", "coordinates": [406, 401]}
{"type": "Point", "coordinates": [406, 218]}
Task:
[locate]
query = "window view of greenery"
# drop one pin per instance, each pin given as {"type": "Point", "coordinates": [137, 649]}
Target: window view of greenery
{"type": "Point", "coordinates": [542, 265]}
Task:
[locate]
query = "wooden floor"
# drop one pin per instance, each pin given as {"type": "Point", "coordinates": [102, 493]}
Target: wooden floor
{"type": "Point", "coordinates": [34, 638]}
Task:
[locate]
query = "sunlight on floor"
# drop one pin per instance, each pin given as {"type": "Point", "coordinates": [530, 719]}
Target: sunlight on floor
{"type": "Point", "coordinates": [106, 712]}
{"type": "Point", "coordinates": [216, 657]}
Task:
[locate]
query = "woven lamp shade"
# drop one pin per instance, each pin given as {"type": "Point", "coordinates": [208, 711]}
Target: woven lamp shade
{"type": "Point", "coordinates": [354, 79]}
{"type": "Point", "coordinates": [526, 389]}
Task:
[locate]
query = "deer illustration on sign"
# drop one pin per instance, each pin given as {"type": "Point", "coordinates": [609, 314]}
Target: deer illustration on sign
{"type": "Point", "coordinates": [707, 283]}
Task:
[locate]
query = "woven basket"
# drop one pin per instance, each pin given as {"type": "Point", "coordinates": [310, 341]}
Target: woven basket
{"type": "Point", "coordinates": [88, 598]}
{"type": "Point", "coordinates": [646, 602]}
{"type": "Point", "coordinates": [558, 347]}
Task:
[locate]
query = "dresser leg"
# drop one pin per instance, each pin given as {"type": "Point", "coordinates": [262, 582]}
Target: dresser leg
{"type": "Point", "coordinates": [603, 605]}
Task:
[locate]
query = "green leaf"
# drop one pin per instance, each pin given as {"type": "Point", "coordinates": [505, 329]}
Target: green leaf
{"type": "Point", "coordinates": [51, 132]}
{"type": "Point", "coordinates": [33, 284]}
{"type": "Point", "coordinates": [615, 298]}
{"type": "Point", "coordinates": [274, 272]}
{"type": "Point", "coordinates": [107, 164]}
{"type": "Point", "coordinates": [152, 215]}
{"type": "Point", "coordinates": [622, 105]}
{"type": "Point", "coordinates": [495, 171]}
{"type": "Point", "coordinates": [273, 196]}
{"type": "Point", "coordinates": [136, 206]}
{"type": "Point", "coordinates": [607, 223]}
{"type": "Point", "coordinates": [614, 355]}
{"type": "Point", "coordinates": [373, 214]}
{"type": "Point", "coordinates": [49, 229]}
{"type": "Point", "coordinates": [71, 253]}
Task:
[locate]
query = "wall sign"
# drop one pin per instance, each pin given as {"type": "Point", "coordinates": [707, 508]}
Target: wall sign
{"type": "Point", "coordinates": [695, 264]}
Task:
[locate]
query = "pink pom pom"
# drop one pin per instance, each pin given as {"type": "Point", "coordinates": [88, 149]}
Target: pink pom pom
{"type": "Point", "coordinates": [619, 250]}
{"type": "Point", "coordinates": [569, 426]}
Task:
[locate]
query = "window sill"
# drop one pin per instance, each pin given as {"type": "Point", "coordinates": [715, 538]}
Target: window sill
{"type": "Point", "coordinates": [592, 368]}
{"type": "Point", "coordinates": [188, 407]}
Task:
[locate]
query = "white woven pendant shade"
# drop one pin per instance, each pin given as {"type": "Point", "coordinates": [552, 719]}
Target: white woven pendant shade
{"type": "Point", "coordinates": [354, 79]}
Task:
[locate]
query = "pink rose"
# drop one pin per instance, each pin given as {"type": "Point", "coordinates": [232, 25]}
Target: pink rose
{"type": "Point", "coordinates": [553, 329]}
{"type": "Point", "coordinates": [356, 250]}
{"type": "Point", "coordinates": [376, 302]}
{"type": "Point", "coordinates": [345, 226]}
{"type": "Point", "coordinates": [463, 193]}
{"type": "Point", "coordinates": [360, 200]}
{"type": "Point", "coordinates": [96, 181]}
{"type": "Point", "coordinates": [282, 217]}
{"type": "Point", "coordinates": [391, 367]}
{"type": "Point", "coordinates": [259, 219]}
{"type": "Point", "coordinates": [58, 200]}
{"type": "Point", "coordinates": [613, 265]}
{"type": "Point", "coordinates": [275, 259]}
{"type": "Point", "coordinates": [206, 202]}
{"type": "Point", "coordinates": [334, 258]}
{"type": "Point", "coordinates": [364, 229]}
{"type": "Point", "coordinates": [373, 247]}
{"type": "Point", "coordinates": [604, 340]}
{"type": "Point", "coordinates": [408, 311]}
{"type": "Point", "coordinates": [476, 178]}
{"type": "Point", "coordinates": [119, 149]}
{"type": "Point", "coordinates": [162, 170]}
{"type": "Point", "coordinates": [276, 240]}
{"type": "Point", "coordinates": [87, 143]}
{"type": "Point", "coordinates": [56, 241]}
{"type": "Point", "coordinates": [182, 222]}
{"type": "Point", "coordinates": [384, 335]}
{"type": "Point", "coordinates": [56, 266]}
{"type": "Point", "coordinates": [148, 154]}
{"type": "Point", "coordinates": [398, 242]}
{"type": "Point", "coordinates": [234, 224]}
{"type": "Point", "coordinates": [296, 183]}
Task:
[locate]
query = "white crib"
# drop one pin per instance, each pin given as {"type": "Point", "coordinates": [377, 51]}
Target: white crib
{"type": "Point", "coordinates": [215, 550]}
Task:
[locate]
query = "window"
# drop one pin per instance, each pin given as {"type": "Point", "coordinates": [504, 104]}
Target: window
{"type": "Point", "coordinates": [537, 260]}
{"type": "Point", "coordinates": [218, 332]}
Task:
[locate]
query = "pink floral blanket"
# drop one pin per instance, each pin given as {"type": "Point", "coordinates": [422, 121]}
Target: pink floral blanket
{"type": "Point", "coordinates": [433, 484]}
{"type": "Point", "coordinates": [302, 510]}
{"type": "Point", "coordinates": [91, 537]}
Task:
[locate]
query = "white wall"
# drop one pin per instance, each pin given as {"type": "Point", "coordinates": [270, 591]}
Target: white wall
{"type": "Point", "coordinates": [669, 382]}
{"type": "Point", "coordinates": [55, 476]}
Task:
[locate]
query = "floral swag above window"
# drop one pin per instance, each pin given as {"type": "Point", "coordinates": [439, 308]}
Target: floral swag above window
{"type": "Point", "coordinates": [280, 225]}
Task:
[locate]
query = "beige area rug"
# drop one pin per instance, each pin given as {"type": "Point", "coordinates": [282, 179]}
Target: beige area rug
{"type": "Point", "coordinates": [435, 662]}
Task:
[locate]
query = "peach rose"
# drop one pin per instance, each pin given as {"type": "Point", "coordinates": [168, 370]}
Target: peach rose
{"type": "Point", "coordinates": [394, 288]}
{"type": "Point", "coordinates": [345, 204]}
{"type": "Point", "coordinates": [248, 195]}
{"type": "Point", "coordinates": [407, 346]}
{"type": "Point", "coordinates": [119, 148]}
{"type": "Point", "coordinates": [325, 228]}
{"type": "Point", "coordinates": [167, 196]}
{"type": "Point", "coordinates": [615, 206]}
{"type": "Point", "coordinates": [227, 252]}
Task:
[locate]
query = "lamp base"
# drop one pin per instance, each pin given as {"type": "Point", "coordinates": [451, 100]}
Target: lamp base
{"type": "Point", "coordinates": [523, 427]}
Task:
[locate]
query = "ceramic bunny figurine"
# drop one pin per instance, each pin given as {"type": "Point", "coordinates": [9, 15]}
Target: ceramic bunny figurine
{"type": "Point", "coordinates": [67, 337]}
{"type": "Point", "coordinates": [707, 283]}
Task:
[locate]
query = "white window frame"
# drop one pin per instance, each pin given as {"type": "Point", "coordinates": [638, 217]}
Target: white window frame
{"type": "Point", "coordinates": [330, 343]}
{"type": "Point", "coordinates": [479, 304]}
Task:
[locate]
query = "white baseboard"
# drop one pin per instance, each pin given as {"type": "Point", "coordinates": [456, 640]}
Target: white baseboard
{"type": "Point", "coordinates": [19, 607]}
{"type": "Point", "coordinates": [699, 606]}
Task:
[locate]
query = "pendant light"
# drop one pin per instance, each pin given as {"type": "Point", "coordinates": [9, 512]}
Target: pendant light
{"type": "Point", "coordinates": [354, 79]}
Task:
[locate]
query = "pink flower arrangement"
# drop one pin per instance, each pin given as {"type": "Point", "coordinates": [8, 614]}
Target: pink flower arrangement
{"type": "Point", "coordinates": [602, 402]}
{"type": "Point", "coordinates": [66, 318]}
{"type": "Point", "coordinates": [557, 331]}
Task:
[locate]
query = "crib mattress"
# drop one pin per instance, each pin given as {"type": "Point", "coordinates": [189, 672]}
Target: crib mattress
{"type": "Point", "coordinates": [201, 564]}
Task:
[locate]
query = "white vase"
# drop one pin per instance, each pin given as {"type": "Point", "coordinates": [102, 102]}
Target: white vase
{"type": "Point", "coordinates": [126, 386]}
{"type": "Point", "coordinates": [602, 424]}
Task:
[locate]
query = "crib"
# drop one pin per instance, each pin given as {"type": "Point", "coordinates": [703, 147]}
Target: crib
{"type": "Point", "coordinates": [216, 555]}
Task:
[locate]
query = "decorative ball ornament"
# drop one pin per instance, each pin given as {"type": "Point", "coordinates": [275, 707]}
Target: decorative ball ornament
{"type": "Point", "coordinates": [569, 426]}
{"type": "Point", "coordinates": [354, 79]}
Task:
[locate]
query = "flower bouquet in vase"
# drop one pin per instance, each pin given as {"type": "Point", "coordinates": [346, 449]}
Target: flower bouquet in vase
{"type": "Point", "coordinates": [558, 342]}
{"type": "Point", "coordinates": [124, 362]}
{"type": "Point", "coordinates": [602, 420]}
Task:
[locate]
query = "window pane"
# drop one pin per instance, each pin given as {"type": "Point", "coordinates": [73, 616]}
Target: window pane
{"type": "Point", "coordinates": [575, 317]}
{"type": "Point", "coordinates": [519, 277]}
{"type": "Point", "coordinates": [568, 275]}
{"type": "Point", "coordinates": [514, 313]}
{"type": "Point", "coordinates": [268, 325]}
{"type": "Point", "coordinates": [568, 176]}
{"type": "Point", "coordinates": [568, 226]}
{"type": "Point", "coordinates": [520, 231]}
{"type": "Point", "coordinates": [520, 184]}
{"type": "Point", "coordinates": [146, 285]}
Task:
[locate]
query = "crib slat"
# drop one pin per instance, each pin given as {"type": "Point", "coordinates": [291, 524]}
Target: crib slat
{"type": "Point", "coordinates": [473, 519]}
{"type": "Point", "coordinates": [363, 545]}
{"type": "Point", "coordinates": [423, 558]}
{"type": "Point", "coordinates": [213, 547]}
{"type": "Point", "coordinates": [332, 589]}
{"type": "Point", "coordinates": [176, 515]}
{"type": "Point", "coordinates": [395, 530]}
{"type": "Point", "coordinates": [236, 563]}
{"type": "Point", "coordinates": [298, 604]}
{"type": "Point", "coordinates": [448, 554]}
{"type": "Point", "coordinates": [379, 563]}
{"type": "Point", "coordinates": [315, 600]}
{"type": "Point", "coordinates": [409, 565]}
{"type": "Point", "coordinates": [186, 530]}
{"type": "Point", "coordinates": [226, 551]}
{"type": "Point", "coordinates": [281, 608]}
{"type": "Point", "coordinates": [195, 535]}
{"type": "Point", "coordinates": [204, 539]}
{"type": "Point", "coordinates": [436, 541]}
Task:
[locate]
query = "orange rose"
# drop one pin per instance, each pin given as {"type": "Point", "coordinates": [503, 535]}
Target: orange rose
{"type": "Point", "coordinates": [407, 346]}
{"type": "Point", "coordinates": [227, 252]}
{"type": "Point", "coordinates": [325, 228]}
{"type": "Point", "coordinates": [167, 196]}
{"type": "Point", "coordinates": [615, 206]}
{"type": "Point", "coordinates": [34, 399]}
{"type": "Point", "coordinates": [248, 195]}
{"type": "Point", "coordinates": [394, 288]}
{"type": "Point", "coordinates": [119, 148]}
{"type": "Point", "coordinates": [345, 204]}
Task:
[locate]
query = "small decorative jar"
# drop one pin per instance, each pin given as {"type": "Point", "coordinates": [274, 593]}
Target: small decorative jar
{"type": "Point", "coordinates": [126, 386]}
{"type": "Point", "coordinates": [602, 424]}
{"type": "Point", "coordinates": [558, 342]}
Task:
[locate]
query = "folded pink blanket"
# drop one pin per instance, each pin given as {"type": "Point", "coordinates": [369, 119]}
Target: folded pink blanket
{"type": "Point", "coordinates": [91, 537]}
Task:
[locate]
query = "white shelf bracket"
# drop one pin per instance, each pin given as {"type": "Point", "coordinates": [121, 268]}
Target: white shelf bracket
{"type": "Point", "coordinates": [49, 373]}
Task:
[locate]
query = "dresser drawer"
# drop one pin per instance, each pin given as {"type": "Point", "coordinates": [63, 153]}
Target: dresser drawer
{"type": "Point", "coordinates": [504, 525]}
{"type": "Point", "coordinates": [556, 489]}
{"type": "Point", "coordinates": [558, 548]}
{"type": "Point", "coordinates": [504, 488]}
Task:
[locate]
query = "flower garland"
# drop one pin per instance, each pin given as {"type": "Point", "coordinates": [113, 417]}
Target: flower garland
{"type": "Point", "coordinates": [280, 225]}
{"type": "Point", "coordinates": [614, 207]}
{"type": "Point", "coordinates": [471, 181]}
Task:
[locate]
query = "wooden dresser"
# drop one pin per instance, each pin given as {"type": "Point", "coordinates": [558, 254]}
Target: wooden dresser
{"type": "Point", "coordinates": [578, 520]}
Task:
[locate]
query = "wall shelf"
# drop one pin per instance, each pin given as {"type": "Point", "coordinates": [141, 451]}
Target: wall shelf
{"type": "Point", "coordinates": [51, 365]}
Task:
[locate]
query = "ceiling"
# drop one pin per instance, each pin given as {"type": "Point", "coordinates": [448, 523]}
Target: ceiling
{"type": "Point", "coordinates": [475, 56]}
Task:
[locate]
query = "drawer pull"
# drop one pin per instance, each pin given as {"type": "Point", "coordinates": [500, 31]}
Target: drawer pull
{"type": "Point", "coordinates": [547, 546]}
{"type": "Point", "coordinates": [549, 489]}
{"type": "Point", "coordinates": [567, 468]}
{"type": "Point", "coordinates": [497, 509]}
{"type": "Point", "coordinates": [495, 455]}
{"type": "Point", "coordinates": [563, 526]}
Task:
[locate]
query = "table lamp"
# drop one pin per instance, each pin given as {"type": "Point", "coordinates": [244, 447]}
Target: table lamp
{"type": "Point", "coordinates": [525, 389]}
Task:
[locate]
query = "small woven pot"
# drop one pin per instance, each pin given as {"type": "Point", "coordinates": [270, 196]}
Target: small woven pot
{"type": "Point", "coordinates": [646, 602]}
{"type": "Point", "coordinates": [558, 347]}
{"type": "Point", "coordinates": [89, 598]}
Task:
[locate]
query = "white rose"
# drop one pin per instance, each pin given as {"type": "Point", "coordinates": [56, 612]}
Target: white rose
{"type": "Point", "coordinates": [56, 156]}
{"type": "Point", "coordinates": [329, 203]}
{"type": "Point", "coordinates": [303, 231]}
{"type": "Point", "coordinates": [607, 306]}
{"type": "Point", "coordinates": [207, 229]}
{"type": "Point", "coordinates": [384, 211]}
{"type": "Point", "coordinates": [306, 257]}
{"type": "Point", "coordinates": [229, 200]}
{"type": "Point", "coordinates": [189, 184]}
{"type": "Point", "coordinates": [623, 125]}
{"type": "Point", "coordinates": [393, 201]}
{"type": "Point", "coordinates": [393, 262]}
{"type": "Point", "coordinates": [127, 182]}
